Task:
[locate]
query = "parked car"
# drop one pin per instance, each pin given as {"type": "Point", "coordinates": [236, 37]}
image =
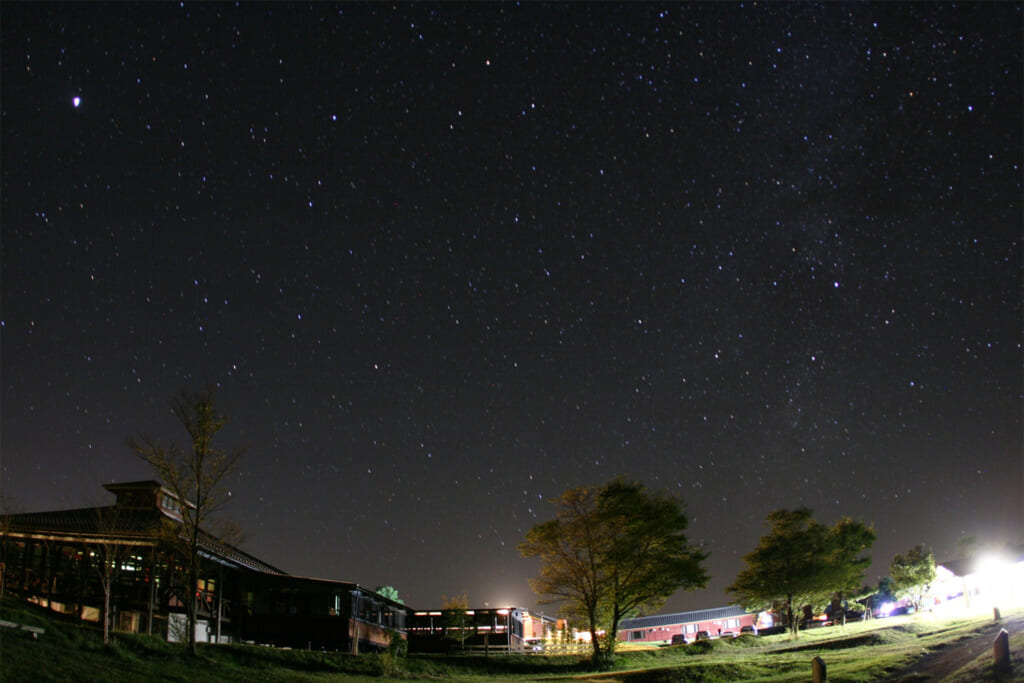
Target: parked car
{"type": "Point", "coordinates": [679, 639]}
{"type": "Point", "coordinates": [703, 635]}
{"type": "Point", "coordinates": [748, 630]}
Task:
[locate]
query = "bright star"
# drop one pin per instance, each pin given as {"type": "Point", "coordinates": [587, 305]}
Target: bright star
{"type": "Point", "coordinates": [76, 101]}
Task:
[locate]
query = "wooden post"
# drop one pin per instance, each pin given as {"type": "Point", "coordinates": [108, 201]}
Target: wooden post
{"type": "Point", "coordinates": [219, 597]}
{"type": "Point", "coordinates": [818, 670]}
{"type": "Point", "coordinates": [152, 589]}
{"type": "Point", "coordinates": [996, 614]}
{"type": "Point", "coordinates": [354, 621]}
{"type": "Point", "coordinates": [45, 585]}
{"type": "Point", "coordinates": [1002, 650]}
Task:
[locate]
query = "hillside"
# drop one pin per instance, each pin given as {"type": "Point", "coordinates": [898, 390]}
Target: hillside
{"type": "Point", "coordinates": [900, 649]}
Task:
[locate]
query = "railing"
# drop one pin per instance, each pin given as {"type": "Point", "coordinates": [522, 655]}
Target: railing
{"type": "Point", "coordinates": [556, 647]}
{"type": "Point", "coordinates": [550, 648]}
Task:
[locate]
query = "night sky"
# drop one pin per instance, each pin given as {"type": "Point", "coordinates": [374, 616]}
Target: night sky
{"type": "Point", "coordinates": [444, 261]}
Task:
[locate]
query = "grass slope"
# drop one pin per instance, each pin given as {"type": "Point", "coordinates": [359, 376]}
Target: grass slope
{"type": "Point", "coordinates": [872, 651]}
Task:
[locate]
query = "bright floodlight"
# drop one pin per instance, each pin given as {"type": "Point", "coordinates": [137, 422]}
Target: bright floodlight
{"type": "Point", "coordinates": [999, 580]}
{"type": "Point", "coordinates": [991, 565]}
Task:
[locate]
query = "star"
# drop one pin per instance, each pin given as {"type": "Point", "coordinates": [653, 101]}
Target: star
{"type": "Point", "coordinates": [754, 268]}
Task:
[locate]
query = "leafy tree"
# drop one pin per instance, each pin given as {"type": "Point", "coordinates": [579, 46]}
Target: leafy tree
{"type": "Point", "coordinates": [863, 600]}
{"type": "Point", "coordinates": [884, 593]}
{"type": "Point", "coordinates": [196, 476]}
{"type": "Point", "coordinates": [802, 563]}
{"type": "Point", "coordinates": [398, 646]}
{"type": "Point", "coordinates": [912, 574]}
{"type": "Point", "coordinates": [852, 600]}
{"type": "Point", "coordinates": [389, 592]}
{"type": "Point", "coordinates": [610, 552]}
{"type": "Point", "coordinates": [455, 618]}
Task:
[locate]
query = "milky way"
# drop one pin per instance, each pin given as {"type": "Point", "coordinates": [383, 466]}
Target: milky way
{"type": "Point", "coordinates": [444, 261]}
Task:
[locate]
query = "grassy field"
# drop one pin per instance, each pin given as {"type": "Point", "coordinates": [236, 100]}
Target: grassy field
{"type": "Point", "coordinates": [871, 651]}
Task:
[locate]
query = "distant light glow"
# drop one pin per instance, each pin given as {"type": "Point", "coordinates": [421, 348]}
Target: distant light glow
{"type": "Point", "coordinates": [75, 101]}
{"type": "Point", "coordinates": [999, 579]}
{"type": "Point", "coordinates": [992, 564]}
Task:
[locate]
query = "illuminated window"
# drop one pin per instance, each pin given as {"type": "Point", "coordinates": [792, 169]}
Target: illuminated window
{"type": "Point", "coordinates": [171, 505]}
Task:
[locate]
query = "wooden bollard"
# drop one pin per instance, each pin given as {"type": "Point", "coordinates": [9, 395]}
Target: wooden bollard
{"type": "Point", "coordinates": [1001, 649]}
{"type": "Point", "coordinates": [818, 670]}
{"type": "Point", "coordinates": [996, 614]}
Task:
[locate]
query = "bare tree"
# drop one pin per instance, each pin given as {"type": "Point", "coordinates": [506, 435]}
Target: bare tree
{"type": "Point", "coordinates": [110, 554]}
{"type": "Point", "coordinates": [196, 476]}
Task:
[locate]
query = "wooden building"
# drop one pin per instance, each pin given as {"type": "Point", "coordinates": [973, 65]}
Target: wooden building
{"type": "Point", "coordinates": [508, 629]}
{"type": "Point", "coordinates": [66, 560]}
{"type": "Point", "coordinates": [660, 628]}
{"type": "Point", "coordinates": [993, 579]}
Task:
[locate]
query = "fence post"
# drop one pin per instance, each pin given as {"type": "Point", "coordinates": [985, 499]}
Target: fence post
{"type": "Point", "coordinates": [819, 670]}
{"type": "Point", "coordinates": [1001, 650]}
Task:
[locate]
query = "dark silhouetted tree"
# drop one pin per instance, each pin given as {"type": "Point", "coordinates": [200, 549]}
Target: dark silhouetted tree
{"type": "Point", "coordinates": [968, 547]}
{"type": "Point", "coordinates": [455, 618]}
{"type": "Point", "coordinates": [802, 562]}
{"type": "Point", "coordinates": [610, 552]}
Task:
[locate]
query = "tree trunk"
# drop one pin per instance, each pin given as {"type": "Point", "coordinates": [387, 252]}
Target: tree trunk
{"type": "Point", "coordinates": [595, 643]}
{"type": "Point", "coordinates": [46, 573]}
{"type": "Point", "coordinates": [152, 590]}
{"type": "Point", "coordinates": [218, 591]}
{"type": "Point", "coordinates": [191, 599]}
{"type": "Point", "coordinates": [3, 562]}
{"type": "Point", "coordinates": [106, 613]}
{"type": "Point", "coordinates": [612, 638]}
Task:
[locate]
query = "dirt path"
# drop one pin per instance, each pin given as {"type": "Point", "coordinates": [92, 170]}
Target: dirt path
{"type": "Point", "coordinates": [941, 665]}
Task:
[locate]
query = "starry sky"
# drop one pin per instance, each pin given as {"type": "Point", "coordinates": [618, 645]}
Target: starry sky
{"type": "Point", "coordinates": [444, 261]}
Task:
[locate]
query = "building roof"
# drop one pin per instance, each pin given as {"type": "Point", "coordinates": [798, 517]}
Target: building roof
{"type": "Point", "coordinates": [110, 521]}
{"type": "Point", "coordinates": [972, 565]}
{"type": "Point", "coordinates": [119, 524]}
{"type": "Point", "coordinates": [695, 616]}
